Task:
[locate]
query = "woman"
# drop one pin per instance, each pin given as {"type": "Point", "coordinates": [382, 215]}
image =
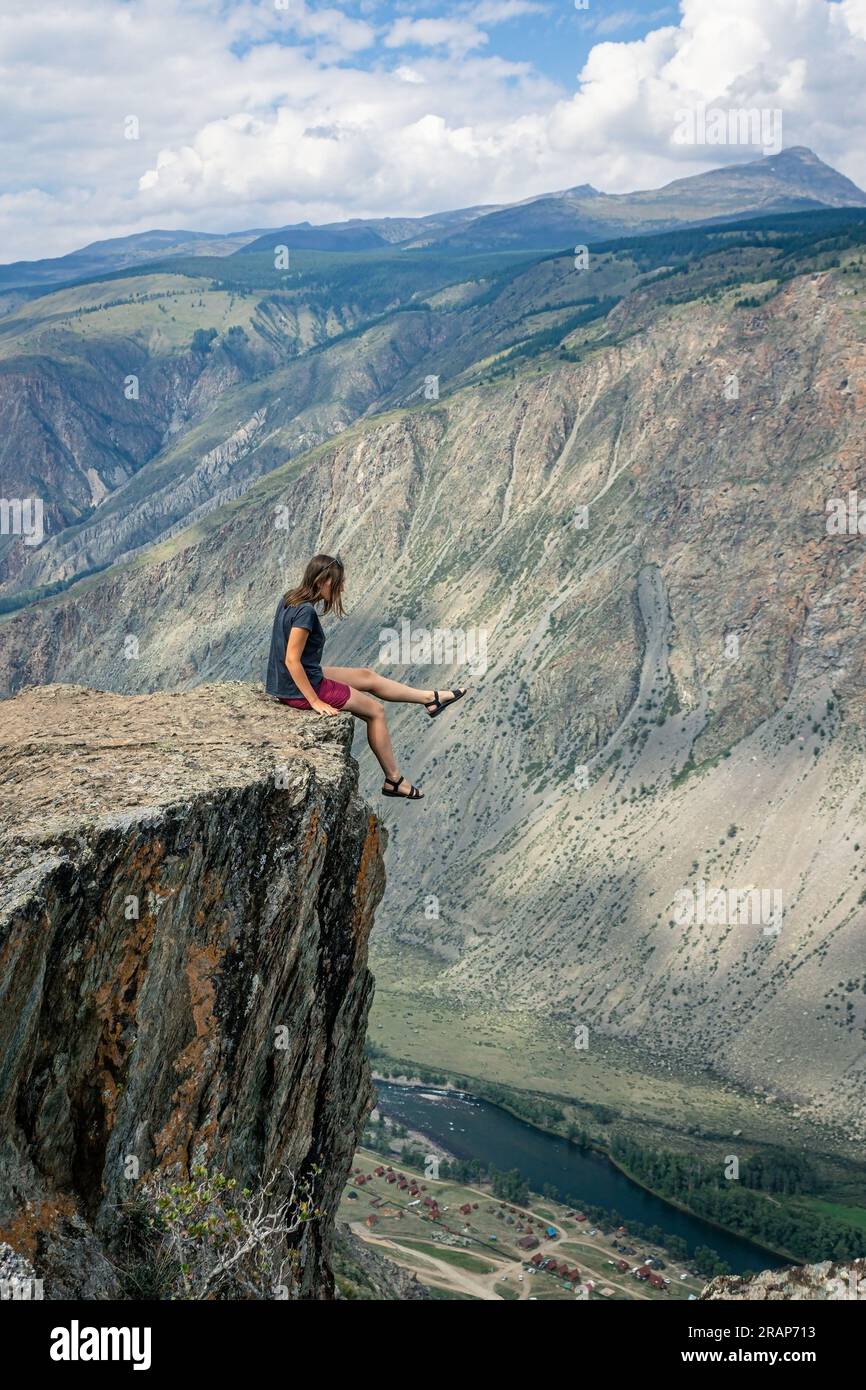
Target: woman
{"type": "Point", "coordinates": [297, 678]}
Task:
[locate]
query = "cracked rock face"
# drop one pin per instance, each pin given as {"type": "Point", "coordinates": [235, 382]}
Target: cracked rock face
{"type": "Point", "coordinates": [187, 892]}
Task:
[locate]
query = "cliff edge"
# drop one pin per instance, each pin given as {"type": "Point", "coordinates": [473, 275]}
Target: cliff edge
{"type": "Point", "coordinates": [187, 888]}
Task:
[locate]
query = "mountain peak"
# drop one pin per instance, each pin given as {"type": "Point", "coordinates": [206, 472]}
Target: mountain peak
{"type": "Point", "coordinates": [798, 152]}
{"type": "Point", "coordinates": [802, 166]}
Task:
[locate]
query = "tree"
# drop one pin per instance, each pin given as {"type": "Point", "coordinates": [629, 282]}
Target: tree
{"type": "Point", "coordinates": [202, 339]}
{"type": "Point", "coordinates": [214, 1241]}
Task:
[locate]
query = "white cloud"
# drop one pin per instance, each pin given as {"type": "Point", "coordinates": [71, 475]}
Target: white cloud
{"type": "Point", "coordinates": [616, 20]}
{"type": "Point", "coordinates": [457, 35]}
{"type": "Point", "coordinates": [463, 31]}
{"type": "Point", "coordinates": [407, 74]}
{"type": "Point", "coordinates": [498, 11]}
{"type": "Point", "coordinates": [251, 116]}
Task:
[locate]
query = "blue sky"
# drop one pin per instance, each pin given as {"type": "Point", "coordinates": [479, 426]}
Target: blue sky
{"type": "Point", "coordinates": [558, 42]}
{"type": "Point", "coordinates": [123, 115]}
{"type": "Point", "coordinates": [555, 36]}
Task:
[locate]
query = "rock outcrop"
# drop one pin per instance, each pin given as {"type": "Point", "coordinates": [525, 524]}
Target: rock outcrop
{"type": "Point", "coordinates": [366, 1274]}
{"type": "Point", "coordinates": [188, 887]}
{"type": "Point", "coordinates": [827, 1280]}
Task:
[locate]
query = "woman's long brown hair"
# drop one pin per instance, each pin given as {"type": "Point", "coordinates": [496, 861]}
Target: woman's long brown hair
{"type": "Point", "coordinates": [320, 568]}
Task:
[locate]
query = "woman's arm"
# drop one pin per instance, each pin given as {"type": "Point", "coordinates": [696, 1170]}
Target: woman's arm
{"type": "Point", "coordinates": [294, 650]}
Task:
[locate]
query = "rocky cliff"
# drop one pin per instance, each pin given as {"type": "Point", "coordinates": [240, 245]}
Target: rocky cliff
{"type": "Point", "coordinates": [827, 1280]}
{"type": "Point", "coordinates": [188, 887]}
{"type": "Point", "coordinates": [366, 1274]}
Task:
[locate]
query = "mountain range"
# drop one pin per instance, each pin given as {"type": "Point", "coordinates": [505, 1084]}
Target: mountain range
{"type": "Point", "coordinates": [794, 180]}
{"type": "Point", "coordinates": [608, 478]}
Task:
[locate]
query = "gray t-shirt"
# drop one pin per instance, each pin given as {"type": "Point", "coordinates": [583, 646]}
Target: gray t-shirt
{"type": "Point", "coordinates": [279, 682]}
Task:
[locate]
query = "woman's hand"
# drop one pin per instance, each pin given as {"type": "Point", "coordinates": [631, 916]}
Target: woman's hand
{"type": "Point", "coordinates": [321, 708]}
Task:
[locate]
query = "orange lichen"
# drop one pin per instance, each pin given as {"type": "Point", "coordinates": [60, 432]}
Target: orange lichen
{"type": "Point", "coordinates": [116, 1007]}
{"type": "Point", "coordinates": [368, 878]}
{"type": "Point", "coordinates": [175, 1139]}
{"type": "Point", "coordinates": [36, 1218]}
{"type": "Point", "coordinates": [311, 832]}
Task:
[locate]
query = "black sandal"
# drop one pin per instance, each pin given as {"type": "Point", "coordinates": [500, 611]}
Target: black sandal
{"type": "Point", "coordinates": [443, 704]}
{"type": "Point", "coordinates": [412, 795]}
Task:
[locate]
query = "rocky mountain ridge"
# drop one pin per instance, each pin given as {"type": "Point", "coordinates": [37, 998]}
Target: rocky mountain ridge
{"type": "Point", "coordinates": [794, 178]}
{"type": "Point", "coordinates": [139, 405]}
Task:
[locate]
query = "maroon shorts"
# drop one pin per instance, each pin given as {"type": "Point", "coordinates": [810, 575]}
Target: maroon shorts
{"type": "Point", "coordinates": [331, 692]}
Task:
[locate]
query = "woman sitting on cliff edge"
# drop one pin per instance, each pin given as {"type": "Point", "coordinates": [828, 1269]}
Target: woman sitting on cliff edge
{"type": "Point", "coordinates": [297, 678]}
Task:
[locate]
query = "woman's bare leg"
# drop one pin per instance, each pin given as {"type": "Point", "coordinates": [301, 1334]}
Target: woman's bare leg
{"type": "Point", "coordinates": [362, 678]}
{"type": "Point", "coordinates": [378, 736]}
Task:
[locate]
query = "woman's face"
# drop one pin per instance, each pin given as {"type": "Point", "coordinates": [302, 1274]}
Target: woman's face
{"type": "Point", "coordinates": [325, 589]}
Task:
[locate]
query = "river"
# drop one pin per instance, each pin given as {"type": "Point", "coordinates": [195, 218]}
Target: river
{"type": "Point", "coordinates": [474, 1129]}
